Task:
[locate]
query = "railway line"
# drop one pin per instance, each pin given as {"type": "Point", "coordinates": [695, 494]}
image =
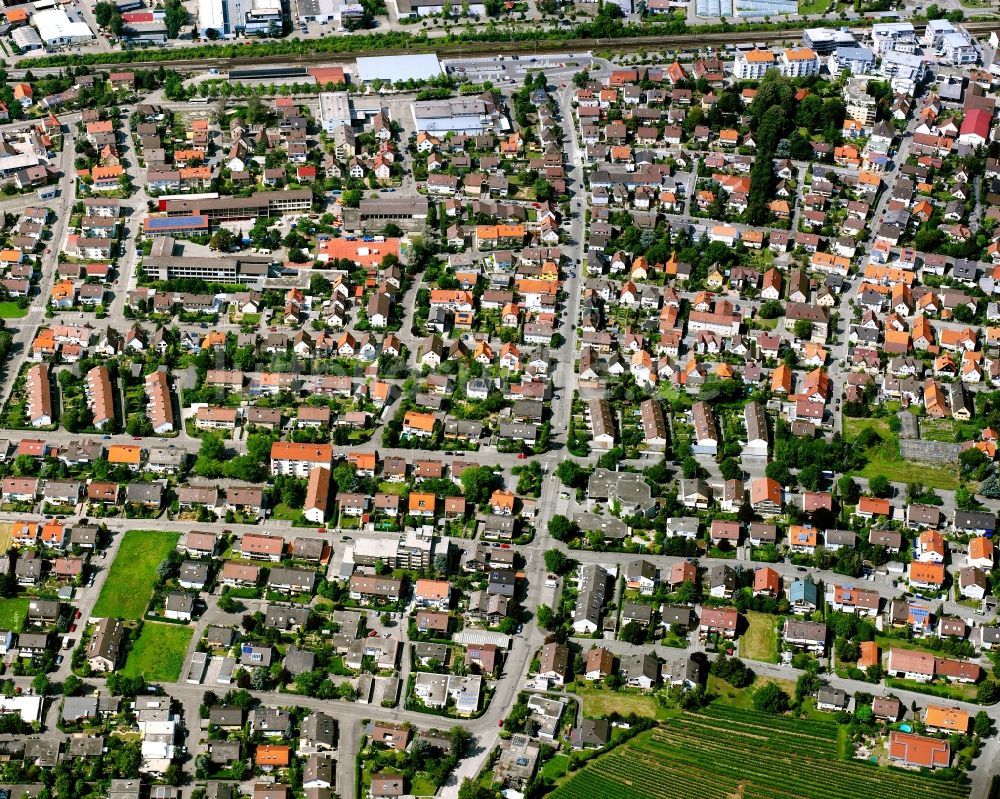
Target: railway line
{"type": "Point", "coordinates": [481, 49]}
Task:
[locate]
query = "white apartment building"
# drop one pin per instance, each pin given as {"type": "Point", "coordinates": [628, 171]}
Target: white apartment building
{"type": "Point", "coordinates": [753, 64]}
{"type": "Point", "coordinates": [799, 63]}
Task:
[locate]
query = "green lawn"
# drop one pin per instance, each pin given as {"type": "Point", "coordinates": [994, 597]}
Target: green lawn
{"type": "Point", "coordinates": [599, 702]}
{"type": "Point", "coordinates": [12, 613]}
{"type": "Point", "coordinates": [933, 476]}
{"type": "Point", "coordinates": [282, 511]}
{"type": "Point", "coordinates": [813, 6]}
{"type": "Point", "coordinates": [854, 426]}
{"type": "Point", "coordinates": [421, 785]}
{"type": "Point", "coordinates": [129, 585]}
{"type": "Point", "coordinates": [760, 641]}
{"type": "Point", "coordinates": [885, 460]}
{"type": "Point", "coordinates": [556, 767]}
{"type": "Point", "coordinates": [11, 310]}
{"type": "Point", "coordinates": [159, 652]}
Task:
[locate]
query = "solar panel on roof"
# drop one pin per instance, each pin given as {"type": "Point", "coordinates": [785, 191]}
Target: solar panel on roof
{"type": "Point", "coordinates": [159, 222]}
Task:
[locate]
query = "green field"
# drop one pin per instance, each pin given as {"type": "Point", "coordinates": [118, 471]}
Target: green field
{"type": "Point", "coordinates": [601, 702]}
{"type": "Point", "coordinates": [885, 459]}
{"type": "Point", "coordinates": [159, 652]}
{"type": "Point", "coordinates": [129, 585]}
{"type": "Point", "coordinates": [724, 752]}
{"type": "Point", "coordinates": [11, 310]}
{"type": "Point", "coordinates": [760, 642]}
{"type": "Point", "coordinates": [556, 767]}
{"type": "Point", "coordinates": [813, 6]}
{"type": "Point", "coordinates": [285, 513]}
{"type": "Point", "coordinates": [12, 613]}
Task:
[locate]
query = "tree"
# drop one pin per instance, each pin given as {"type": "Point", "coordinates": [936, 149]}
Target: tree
{"type": "Point", "coordinates": [72, 686]}
{"type": "Point", "coordinates": [345, 475]}
{"type": "Point", "coordinates": [730, 469]}
{"type": "Point", "coordinates": [771, 309]}
{"type": "Point", "coordinates": [879, 486]}
{"type": "Point", "coordinates": [478, 483]}
{"type": "Point", "coordinates": [848, 491]}
{"type": "Point", "coordinates": [769, 698]}
{"type": "Point", "coordinates": [41, 684]}
{"type": "Point", "coordinates": [103, 12]}
{"type": "Point", "coordinates": [988, 692]}
{"type": "Point", "coordinates": [971, 460]}
{"type": "Point", "coordinates": [632, 633]}
{"type": "Point", "coordinates": [560, 528]}
{"type": "Point", "coordinates": [964, 498]}
{"type": "Point", "coordinates": [864, 714]}
{"type": "Point", "coordinates": [176, 17]}
{"type": "Point", "coordinates": [473, 789]}
{"type": "Point", "coordinates": [810, 476]}
{"type": "Point", "coordinates": [545, 617]}
{"type": "Point", "coordinates": [555, 561]}
{"type": "Point", "coordinates": [229, 605]}
{"type": "Point", "coordinates": [223, 240]}
{"type": "Point", "coordinates": [803, 329]}
{"type": "Point", "coordinates": [117, 25]}
{"type": "Point", "coordinates": [569, 473]}
{"type": "Point", "coordinates": [543, 190]}
{"type": "Point", "coordinates": [983, 725]}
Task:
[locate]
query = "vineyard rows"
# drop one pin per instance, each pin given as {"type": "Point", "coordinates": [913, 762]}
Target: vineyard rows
{"type": "Point", "coordinates": [721, 750]}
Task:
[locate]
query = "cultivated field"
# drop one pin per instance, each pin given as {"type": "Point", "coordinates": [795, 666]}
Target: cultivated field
{"type": "Point", "coordinates": [129, 586]}
{"type": "Point", "coordinates": [724, 752]}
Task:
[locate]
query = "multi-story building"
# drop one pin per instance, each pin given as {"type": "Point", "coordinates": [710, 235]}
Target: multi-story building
{"type": "Point", "coordinates": [290, 458]}
{"type": "Point", "coordinates": [753, 64]}
{"type": "Point", "coordinates": [798, 63]}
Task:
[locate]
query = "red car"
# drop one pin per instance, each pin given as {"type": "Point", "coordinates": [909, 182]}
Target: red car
{"type": "Point", "coordinates": [372, 633]}
{"type": "Point", "coordinates": [501, 722]}
{"type": "Point", "coordinates": [505, 546]}
{"type": "Point", "coordinates": [77, 615]}
{"type": "Point", "coordinates": [321, 530]}
{"type": "Point", "coordinates": [521, 456]}
{"type": "Point", "coordinates": [72, 628]}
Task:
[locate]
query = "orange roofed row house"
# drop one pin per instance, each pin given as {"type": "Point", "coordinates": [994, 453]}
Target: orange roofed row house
{"type": "Point", "coordinates": [290, 458]}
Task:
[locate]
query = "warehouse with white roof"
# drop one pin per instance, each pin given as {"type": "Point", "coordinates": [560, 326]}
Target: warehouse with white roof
{"type": "Point", "coordinates": [57, 29]}
{"type": "Point", "coordinates": [422, 66]}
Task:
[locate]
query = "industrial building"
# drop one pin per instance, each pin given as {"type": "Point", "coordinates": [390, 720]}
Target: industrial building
{"type": "Point", "coordinates": [162, 264]}
{"type": "Point", "coordinates": [212, 17]}
{"type": "Point", "coordinates": [261, 203]}
{"type": "Point", "coordinates": [422, 66]}
{"type": "Point", "coordinates": [334, 110]}
{"type": "Point", "coordinates": [26, 39]}
{"type": "Point", "coordinates": [467, 115]}
{"type": "Point", "coordinates": [745, 8]}
{"type": "Point", "coordinates": [409, 213]}
{"type": "Point", "coordinates": [57, 29]}
{"type": "Point", "coordinates": [324, 11]}
{"type": "Point", "coordinates": [230, 17]}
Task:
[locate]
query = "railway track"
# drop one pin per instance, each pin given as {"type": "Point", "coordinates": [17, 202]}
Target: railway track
{"type": "Point", "coordinates": [480, 49]}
